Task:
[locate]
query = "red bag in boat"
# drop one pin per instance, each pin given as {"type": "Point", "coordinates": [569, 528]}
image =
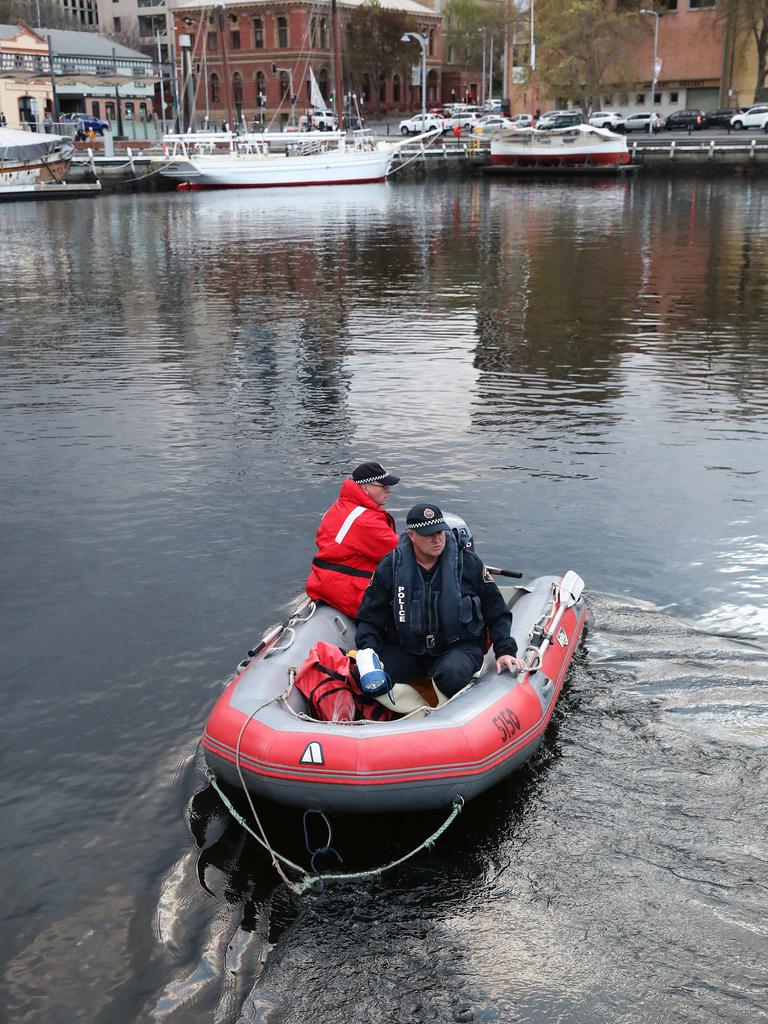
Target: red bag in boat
{"type": "Point", "coordinates": [327, 680]}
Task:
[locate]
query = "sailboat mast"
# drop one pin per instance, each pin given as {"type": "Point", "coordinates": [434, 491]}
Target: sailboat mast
{"type": "Point", "coordinates": [221, 12]}
{"type": "Point", "coordinates": [337, 76]}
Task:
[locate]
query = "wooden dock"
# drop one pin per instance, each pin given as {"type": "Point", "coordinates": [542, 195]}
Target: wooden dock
{"type": "Point", "coordinates": [54, 190]}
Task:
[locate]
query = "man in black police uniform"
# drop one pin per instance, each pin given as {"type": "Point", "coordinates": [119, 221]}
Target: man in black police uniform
{"type": "Point", "coordinates": [426, 610]}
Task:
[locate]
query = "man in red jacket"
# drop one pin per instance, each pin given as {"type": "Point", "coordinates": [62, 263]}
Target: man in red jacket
{"type": "Point", "coordinates": [354, 535]}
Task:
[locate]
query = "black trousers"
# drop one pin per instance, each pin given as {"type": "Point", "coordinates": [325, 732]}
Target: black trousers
{"type": "Point", "coordinates": [451, 670]}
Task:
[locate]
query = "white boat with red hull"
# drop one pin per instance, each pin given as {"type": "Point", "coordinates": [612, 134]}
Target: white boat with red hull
{"type": "Point", "coordinates": [578, 147]}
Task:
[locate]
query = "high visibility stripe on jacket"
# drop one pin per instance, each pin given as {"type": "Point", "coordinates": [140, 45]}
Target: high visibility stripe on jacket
{"type": "Point", "coordinates": [354, 535]}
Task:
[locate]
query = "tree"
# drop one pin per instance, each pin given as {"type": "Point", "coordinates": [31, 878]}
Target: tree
{"type": "Point", "coordinates": [469, 24]}
{"type": "Point", "coordinates": [750, 18]}
{"type": "Point", "coordinates": [374, 44]}
{"type": "Point", "coordinates": [52, 15]}
{"type": "Point", "coordinates": [584, 48]}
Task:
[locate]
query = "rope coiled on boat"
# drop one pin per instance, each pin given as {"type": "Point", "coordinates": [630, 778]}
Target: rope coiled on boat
{"type": "Point", "coordinates": [309, 881]}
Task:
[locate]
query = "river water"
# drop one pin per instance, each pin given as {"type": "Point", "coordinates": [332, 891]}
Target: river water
{"type": "Point", "coordinates": [581, 371]}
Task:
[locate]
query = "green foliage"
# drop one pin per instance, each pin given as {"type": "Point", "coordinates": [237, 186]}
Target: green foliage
{"type": "Point", "coordinates": [584, 47]}
{"type": "Point", "coordinates": [464, 25]}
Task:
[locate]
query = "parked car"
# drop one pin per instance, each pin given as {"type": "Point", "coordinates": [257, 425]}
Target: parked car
{"type": "Point", "coordinates": [684, 119]}
{"type": "Point", "coordinates": [492, 123]}
{"type": "Point", "coordinates": [610, 119]}
{"type": "Point", "coordinates": [755, 117]}
{"type": "Point", "coordinates": [543, 121]}
{"type": "Point", "coordinates": [720, 118]}
{"type": "Point", "coordinates": [561, 121]}
{"type": "Point", "coordinates": [522, 120]}
{"type": "Point", "coordinates": [418, 124]}
{"type": "Point", "coordinates": [492, 107]}
{"type": "Point", "coordinates": [319, 120]}
{"type": "Point", "coordinates": [641, 122]}
{"type": "Point", "coordinates": [466, 118]}
{"type": "Point", "coordinates": [88, 123]}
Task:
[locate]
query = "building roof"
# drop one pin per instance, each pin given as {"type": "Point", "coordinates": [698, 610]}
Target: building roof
{"type": "Point", "coordinates": [83, 44]}
{"type": "Point", "coordinates": [406, 6]}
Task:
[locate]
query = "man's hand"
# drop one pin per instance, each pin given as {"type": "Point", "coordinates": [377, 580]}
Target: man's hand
{"type": "Point", "coordinates": [506, 661]}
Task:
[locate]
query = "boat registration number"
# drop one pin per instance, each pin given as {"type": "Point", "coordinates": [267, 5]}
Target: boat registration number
{"type": "Point", "coordinates": [507, 723]}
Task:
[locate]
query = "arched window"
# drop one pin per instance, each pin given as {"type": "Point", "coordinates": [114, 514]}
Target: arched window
{"type": "Point", "coordinates": [282, 32]}
{"type": "Point", "coordinates": [396, 89]}
{"type": "Point", "coordinates": [215, 89]}
{"type": "Point", "coordinates": [431, 42]}
{"type": "Point", "coordinates": [237, 93]}
{"type": "Point", "coordinates": [313, 32]}
{"type": "Point", "coordinates": [323, 34]}
{"type": "Point", "coordinates": [258, 34]}
{"type": "Point", "coordinates": [261, 89]}
{"type": "Point", "coordinates": [322, 81]}
{"type": "Point", "coordinates": [382, 88]}
{"type": "Point", "coordinates": [285, 86]}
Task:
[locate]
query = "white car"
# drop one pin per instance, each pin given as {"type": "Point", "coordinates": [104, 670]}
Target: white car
{"type": "Point", "coordinates": [610, 119]}
{"type": "Point", "coordinates": [545, 121]}
{"type": "Point", "coordinates": [319, 120]}
{"type": "Point", "coordinates": [466, 119]}
{"type": "Point", "coordinates": [420, 123]}
{"type": "Point", "coordinates": [641, 122]}
{"type": "Point", "coordinates": [755, 117]}
{"type": "Point", "coordinates": [492, 123]}
{"type": "Point", "coordinates": [522, 120]}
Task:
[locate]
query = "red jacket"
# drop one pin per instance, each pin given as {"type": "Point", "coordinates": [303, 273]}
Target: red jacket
{"type": "Point", "coordinates": [354, 535]}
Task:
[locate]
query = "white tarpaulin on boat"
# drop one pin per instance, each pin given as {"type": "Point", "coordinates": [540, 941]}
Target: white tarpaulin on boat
{"type": "Point", "coordinates": [16, 145]}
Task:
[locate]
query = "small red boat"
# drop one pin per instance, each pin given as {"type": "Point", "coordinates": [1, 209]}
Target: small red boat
{"type": "Point", "coordinates": [260, 734]}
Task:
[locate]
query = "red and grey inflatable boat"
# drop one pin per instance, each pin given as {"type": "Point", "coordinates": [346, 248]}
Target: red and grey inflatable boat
{"type": "Point", "coordinates": [260, 734]}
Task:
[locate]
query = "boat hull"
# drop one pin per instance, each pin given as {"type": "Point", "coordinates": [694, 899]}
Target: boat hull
{"type": "Point", "coordinates": [348, 167]}
{"type": "Point", "coordinates": [580, 146]}
{"type": "Point", "coordinates": [32, 172]}
{"type": "Point", "coordinates": [418, 763]}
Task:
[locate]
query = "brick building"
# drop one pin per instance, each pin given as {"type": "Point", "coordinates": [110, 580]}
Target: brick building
{"type": "Point", "coordinates": [226, 57]}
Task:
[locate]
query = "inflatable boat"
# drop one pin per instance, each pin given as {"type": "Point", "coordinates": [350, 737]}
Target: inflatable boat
{"type": "Point", "coordinates": [261, 736]}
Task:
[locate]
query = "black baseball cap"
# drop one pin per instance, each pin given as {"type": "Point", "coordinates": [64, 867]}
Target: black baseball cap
{"type": "Point", "coordinates": [374, 473]}
{"type": "Point", "coordinates": [426, 519]}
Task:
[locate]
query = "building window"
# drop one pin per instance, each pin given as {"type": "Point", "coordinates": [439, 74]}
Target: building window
{"type": "Point", "coordinates": [382, 89]}
{"type": "Point", "coordinates": [234, 39]}
{"type": "Point", "coordinates": [673, 97]}
{"type": "Point", "coordinates": [116, 25]}
{"type": "Point", "coordinates": [671, 5]}
{"type": "Point", "coordinates": [282, 33]}
{"type": "Point", "coordinates": [150, 24]}
{"type": "Point", "coordinates": [313, 32]}
{"type": "Point", "coordinates": [213, 42]}
{"type": "Point", "coordinates": [700, 5]}
{"type": "Point", "coordinates": [129, 111]}
{"type": "Point", "coordinates": [323, 34]}
{"type": "Point", "coordinates": [215, 89]}
{"type": "Point", "coordinates": [285, 86]}
{"type": "Point", "coordinates": [258, 34]}
{"type": "Point", "coordinates": [96, 108]}
{"type": "Point", "coordinates": [657, 98]}
{"type": "Point", "coordinates": [322, 81]}
{"type": "Point", "coordinates": [396, 89]}
{"type": "Point", "coordinates": [109, 111]}
{"type": "Point", "coordinates": [261, 89]}
{"type": "Point", "coordinates": [143, 112]}
{"type": "Point", "coordinates": [431, 46]}
{"type": "Point", "coordinates": [237, 94]}
{"type": "Point", "coordinates": [640, 98]}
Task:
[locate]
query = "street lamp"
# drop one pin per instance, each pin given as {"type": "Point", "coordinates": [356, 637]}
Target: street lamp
{"type": "Point", "coordinates": [423, 42]}
{"type": "Point", "coordinates": [657, 16]}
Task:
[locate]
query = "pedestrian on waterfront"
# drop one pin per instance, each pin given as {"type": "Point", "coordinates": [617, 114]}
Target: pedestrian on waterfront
{"type": "Point", "coordinates": [428, 606]}
{"type": "Point", "coordinates": [3, 120]}
{"type": "Point", "coordinates": [354, 535]}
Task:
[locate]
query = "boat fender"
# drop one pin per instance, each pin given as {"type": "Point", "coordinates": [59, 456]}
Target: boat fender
{"type": "Point", "coordinates": [373, 679]}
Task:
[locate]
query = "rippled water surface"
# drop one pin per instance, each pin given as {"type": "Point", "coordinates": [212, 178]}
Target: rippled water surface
{"type": "Point", "coordinates": [579, 370]}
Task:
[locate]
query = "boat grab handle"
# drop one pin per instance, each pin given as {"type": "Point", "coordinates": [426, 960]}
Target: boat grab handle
{"type": "Point", "coordinates": [290, 633]}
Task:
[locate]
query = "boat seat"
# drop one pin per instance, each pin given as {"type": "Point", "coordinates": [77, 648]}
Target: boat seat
{"type": "Point", "coordinates": [408, 697]}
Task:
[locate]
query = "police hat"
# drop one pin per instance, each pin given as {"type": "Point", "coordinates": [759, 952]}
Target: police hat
{"type": "Point", "coordinates": [426, 519]}
{"type": "Point", "coordinates": [374, 473]}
